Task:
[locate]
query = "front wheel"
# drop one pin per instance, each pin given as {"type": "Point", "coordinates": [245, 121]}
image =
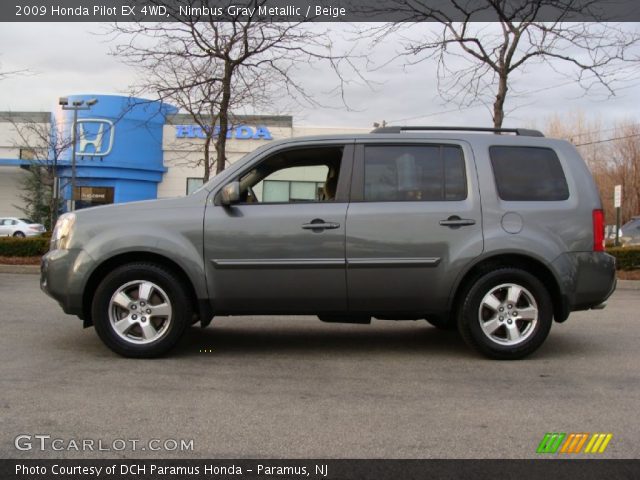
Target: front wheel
{"type": "Point", "coordinates": [506, 314]}
{"type": "Point", "coordinates": [141, 310]}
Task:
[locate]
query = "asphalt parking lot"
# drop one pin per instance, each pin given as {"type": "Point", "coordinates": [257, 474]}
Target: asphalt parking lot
{"type": "Point", "coordinates": [294, 387]}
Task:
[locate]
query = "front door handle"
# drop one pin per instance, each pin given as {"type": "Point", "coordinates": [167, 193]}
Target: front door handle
{"type": "Point", "coordinates": [318, 225]}
{"type": "Point", "coordinates": [456, 221]}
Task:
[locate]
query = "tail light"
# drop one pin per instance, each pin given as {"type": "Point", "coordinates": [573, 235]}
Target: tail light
{"type": "Point", "coordinates": [598, 230]}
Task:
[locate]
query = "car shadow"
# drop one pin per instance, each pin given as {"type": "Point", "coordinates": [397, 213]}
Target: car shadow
{"type": "Point", "coordinates": [351, 339]}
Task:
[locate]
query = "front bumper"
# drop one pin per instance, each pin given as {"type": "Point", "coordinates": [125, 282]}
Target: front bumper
{"type": "Point", "coordinates": [62, 277]}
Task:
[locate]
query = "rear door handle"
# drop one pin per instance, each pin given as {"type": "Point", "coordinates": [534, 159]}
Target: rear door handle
{"type": "Point", "coordinates": [317, 225]}
{"type": "Point", "coordinates": [456, 221]}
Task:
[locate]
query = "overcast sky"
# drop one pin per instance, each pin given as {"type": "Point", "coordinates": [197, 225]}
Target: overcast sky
{"type": "Point", "coordinates": [71, 58]}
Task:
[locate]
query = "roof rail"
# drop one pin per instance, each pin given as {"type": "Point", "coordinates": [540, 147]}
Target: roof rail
{"type": "Point", "coordinates": [526, 132]}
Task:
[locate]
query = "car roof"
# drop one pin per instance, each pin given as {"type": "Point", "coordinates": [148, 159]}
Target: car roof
{"type": "Point", "coordinates": [409, 136]}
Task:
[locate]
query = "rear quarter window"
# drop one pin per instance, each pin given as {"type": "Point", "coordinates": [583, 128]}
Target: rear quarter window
{"type": "Point", "coordinates": [528, 174]}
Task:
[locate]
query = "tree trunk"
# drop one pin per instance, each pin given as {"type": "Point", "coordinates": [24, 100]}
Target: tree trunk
{"type": "Point", "coordinates": [221, 141]}
{"type": "Point", "coordinates": [207, 159]}
{"type": "Point", "coordinates": [498, 104]}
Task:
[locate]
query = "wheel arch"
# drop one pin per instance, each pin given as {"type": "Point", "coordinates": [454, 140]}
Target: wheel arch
{"type": "Point", "coordinates": [515, 260]}
{"type": "Point", "coordinates": [109, 264]}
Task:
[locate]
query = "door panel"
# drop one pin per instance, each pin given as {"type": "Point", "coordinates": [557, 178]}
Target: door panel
{"type": "Point", "coordinates": [263, 258]}
{"type": "Point", "coordinates": [286, 257]}
{"type": "Point", "coordinates": [403, 255]}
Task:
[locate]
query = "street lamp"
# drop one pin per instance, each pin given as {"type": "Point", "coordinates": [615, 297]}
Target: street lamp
{"type": "Point", "coordinates": [76, 105]}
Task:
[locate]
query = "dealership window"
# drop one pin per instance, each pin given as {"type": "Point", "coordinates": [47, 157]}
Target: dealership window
{"type": "Point", "coordinates": [291, 191]}
{"type": "Point", "coordinates": [528, 174]}
{"type": "Point", "coordinates": [85, 197]}
{"type": "Point", "coordinates": [194, 183]}
{"type": "Point", "coordinates": [414, 173]}
{"type": "Point", "coordinates": [28, 154]}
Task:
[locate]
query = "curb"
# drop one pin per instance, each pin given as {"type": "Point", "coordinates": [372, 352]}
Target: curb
{"type": "Point", "coordinates": [628, 285]}
{"type": "Point", "coordinates": [29, 269]}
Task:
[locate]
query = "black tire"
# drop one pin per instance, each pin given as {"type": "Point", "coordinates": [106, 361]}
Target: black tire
{"type": "Point", "coordinates": [19, 235]}
{"type": "Point", "coordinates": [165, 285]}
{"type": "Point", "coordinates": [500, 282]}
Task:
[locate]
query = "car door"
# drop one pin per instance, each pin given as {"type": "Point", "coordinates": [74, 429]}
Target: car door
{"type": "Point", "coordinates": [282, 256]}
{"type": "Point", "coordinates": [4, 229]}
{"type": "Point", "coordinates": [413, 224]}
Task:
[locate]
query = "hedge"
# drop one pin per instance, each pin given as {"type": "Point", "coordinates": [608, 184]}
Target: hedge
{"type": "Point", "coordinates": [23, 247]}
{"type": "Point", "coordinates": [627, 258]}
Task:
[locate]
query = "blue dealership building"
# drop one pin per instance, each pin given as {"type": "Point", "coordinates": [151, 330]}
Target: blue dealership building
{"type": "Point", "coordinates": [127, 149]}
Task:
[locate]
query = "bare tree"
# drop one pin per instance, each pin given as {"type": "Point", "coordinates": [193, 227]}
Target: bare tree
{"type": "Point", "coordinates": [211, 68]}
{"type": "Point", "coordinates": [476, 62]}
{"type": "Point", "coordinates": [612, 154]}
{"type": "Point", "coordinates": [625, 157]}
{"type": "Point", "coordinates": [41, 147]}
{"type": "Point", "coordinates": [10, 73]}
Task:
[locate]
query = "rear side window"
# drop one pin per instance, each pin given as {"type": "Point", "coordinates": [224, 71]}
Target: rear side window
{"type": "Point", "coordinates": [528, 174]}
{"type": "Point", "coordinates": [414, 173]}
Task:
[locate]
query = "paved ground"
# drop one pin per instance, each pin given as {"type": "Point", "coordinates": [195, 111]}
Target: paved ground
{"type": "Point", "coordinates": [296, 387]}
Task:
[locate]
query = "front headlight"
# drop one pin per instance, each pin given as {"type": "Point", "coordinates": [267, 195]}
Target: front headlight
{"type": "Point", "coordinates": [62, 231]}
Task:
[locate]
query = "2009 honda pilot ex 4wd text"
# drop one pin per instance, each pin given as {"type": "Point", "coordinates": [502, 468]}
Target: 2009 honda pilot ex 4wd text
{"type": "Point", "coordinates": [494, 233]}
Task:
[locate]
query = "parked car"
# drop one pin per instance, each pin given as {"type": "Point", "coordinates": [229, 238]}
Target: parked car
{"type": "Point", "coordinates": [20, 227]}
{"type": "Point", "coordinates": [630, 232]}
{"type": "Point", "coordinates": [494, 234]}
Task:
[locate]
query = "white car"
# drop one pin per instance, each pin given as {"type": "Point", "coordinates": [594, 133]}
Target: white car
{"type": "Point", "coordinates": [20, 227]}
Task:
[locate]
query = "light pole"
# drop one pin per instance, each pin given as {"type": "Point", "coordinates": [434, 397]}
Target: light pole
{"type": "Point", "coordinates": [76, 105]}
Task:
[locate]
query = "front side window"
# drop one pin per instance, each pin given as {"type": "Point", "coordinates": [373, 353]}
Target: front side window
{"type": "Point", "coordinates": [294, 176]}
{"type": "Point", "coordinates": [414, 173]}
{"type": "Point", "coordinates": [528, 174]}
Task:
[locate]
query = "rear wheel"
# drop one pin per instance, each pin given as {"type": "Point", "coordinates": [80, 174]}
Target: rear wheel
{"type": "Point", "coordinates": [507, 314]}
{"type": "Point", "coordinates": [141, 310]}
{"type": "Point", "coordinates": [19, 235]}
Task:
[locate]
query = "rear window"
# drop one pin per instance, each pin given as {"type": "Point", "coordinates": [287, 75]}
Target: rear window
{"type": "Point", "coordinates": [528, 174]}
{"type": "Point", "coordinates": [414, 173]}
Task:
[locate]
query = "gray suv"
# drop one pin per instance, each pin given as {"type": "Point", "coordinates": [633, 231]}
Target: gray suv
{"type": "Point", "coordinates": [494, 232]}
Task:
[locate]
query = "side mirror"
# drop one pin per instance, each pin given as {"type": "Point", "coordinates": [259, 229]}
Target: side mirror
{"type": "Point", "coordinates": [230, 194]}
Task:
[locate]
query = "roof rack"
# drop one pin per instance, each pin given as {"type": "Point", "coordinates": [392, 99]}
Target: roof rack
{"type": "Point", "coordinates": [526, 132]}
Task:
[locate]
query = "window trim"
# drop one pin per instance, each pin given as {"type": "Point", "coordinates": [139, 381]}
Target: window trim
{"type": "Point", "coordinates": [358, 180]}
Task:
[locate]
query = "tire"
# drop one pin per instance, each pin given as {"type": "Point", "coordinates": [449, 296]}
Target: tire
{"type": "Point", "coordinates": [150, 306]}
{"type": "Point", "coordinates": [519, 328]}
{"type": "Point", "coordinates": [19, 235]}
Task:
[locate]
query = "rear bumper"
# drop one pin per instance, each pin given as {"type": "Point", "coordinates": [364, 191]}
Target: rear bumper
{"type": "Point", "coordinates": [588, 278]}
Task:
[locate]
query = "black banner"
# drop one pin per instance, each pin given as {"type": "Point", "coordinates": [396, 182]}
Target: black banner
{"type": "Point", "coordinates": [317, 10]}
{"type": "Point", "coordinates": [319, 469]}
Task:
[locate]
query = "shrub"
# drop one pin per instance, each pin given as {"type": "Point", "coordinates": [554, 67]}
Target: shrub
{"type": "Point", "coordinates": [23, 247]}
{"type": "Point", "coordinates": [627, 258]}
